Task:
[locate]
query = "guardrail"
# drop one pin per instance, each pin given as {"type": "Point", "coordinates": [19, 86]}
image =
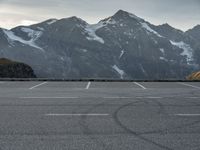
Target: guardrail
{"type": "Point", "coordinates": [95, 80]}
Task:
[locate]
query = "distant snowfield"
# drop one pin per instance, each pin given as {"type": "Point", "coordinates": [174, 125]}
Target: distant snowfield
{"type": "Point", "coordinates": [164, 59]}
{"type": "Point", "coordinates": [52, 21]}
{"type": "Point", "coordinates": [11, 37]}
{"type": "Point", "coordinates": [146, 26]}
{"type": "Point", "coordinates": [162, 50]}
{"type": "Point", "coordinates": [121, 54]}
{"type": "Point", "coordinates": [91, 31]}
{"type": "Point", "coordinates": [134, 16]}
{"type": "Point", "coordinates": [119, 71]}
{"type": "Point", "coordinates": [34, 35]}
{"type": "Point", "coordinates": [187, 50]}
{"type": "Point", "coordinates": [92, 28]}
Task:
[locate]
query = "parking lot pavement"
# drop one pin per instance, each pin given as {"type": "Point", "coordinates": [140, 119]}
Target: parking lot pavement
{"type": "Point", "coordinates": [99, 115]}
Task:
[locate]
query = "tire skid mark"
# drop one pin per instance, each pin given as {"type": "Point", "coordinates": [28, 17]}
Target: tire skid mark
{"type": "Point", "coordinates": [164, 131]}
{"type": "Point", "coordinates": [130, 131]}
{"type": "Point", "coordinates": [161, 109]}
{"type": "Point", "coordinates": [87, 131]}
{"type": "Point", "coordinates": [168, 130]}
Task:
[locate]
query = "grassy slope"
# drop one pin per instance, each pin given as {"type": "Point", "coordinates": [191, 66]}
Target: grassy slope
{"type": "Point", "coordinates": [194, 76]}
{"type": "Point", "coordinates": [4, 61]}
{"type": "Point", "coordinates": [12, 69]}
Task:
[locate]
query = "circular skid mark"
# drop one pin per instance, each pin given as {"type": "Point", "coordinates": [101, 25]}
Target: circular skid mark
{"type": "Point", "coordinates": [130, 131]}
{"type": "Point", "coordinates": [161, 110]}
{"type": "Point", "coordinates": [160, 115]}
{"type": "Point", "coordinates": [87, 131]}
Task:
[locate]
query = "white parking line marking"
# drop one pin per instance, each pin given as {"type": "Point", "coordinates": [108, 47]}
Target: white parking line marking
{"type": "Point", "coordinates": [117, 97]}
{"type": "Point", "coordinates": [88, 85]}
{"type": "Point", "coordinates": [133, 97]}
{"type": "Point", "coordinates": [187, 115]}
{"type": "Point", "coordinates": [149, 97]}
{"type": "Point", "coordinates": [79, 115]}
{"type": "Point", "coordinates": [140, 85]}
{"type": "Point", "coordinates": [37, 85]}
{"type": "Point", "coordinates": [190, 85]}
{"type": "Point", "coordinates": [49, 97]}
{"type": "Point", "coordinates": [194, 97]}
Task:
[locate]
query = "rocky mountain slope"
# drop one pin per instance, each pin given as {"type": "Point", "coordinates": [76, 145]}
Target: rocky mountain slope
{"type": "Point", "coordinates": [11, 69]}
{"type": "Point", "coordinates": [121, 46]}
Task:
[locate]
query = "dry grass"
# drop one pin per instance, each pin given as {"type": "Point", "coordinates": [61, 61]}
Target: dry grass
{"type": "Point", "coordinates": [194, 76]}
{"type": "Point", "coordinates": [4, 61]}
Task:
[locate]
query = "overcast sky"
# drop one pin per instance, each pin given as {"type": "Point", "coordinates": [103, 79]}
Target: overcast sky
{"type": "Point", "coordinates": [182, 14]}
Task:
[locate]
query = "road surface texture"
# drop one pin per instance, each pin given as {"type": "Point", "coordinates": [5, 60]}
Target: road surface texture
{"type": "Point", "coordinates": [99, 115]}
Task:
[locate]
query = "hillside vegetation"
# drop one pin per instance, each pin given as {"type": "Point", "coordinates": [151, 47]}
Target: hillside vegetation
{"type": "Point", "coordinates": [12, 69]}
{"type": "Point", "coordinates": [4, 61]}
{"type": "Point", "coordinates": [194, 76]}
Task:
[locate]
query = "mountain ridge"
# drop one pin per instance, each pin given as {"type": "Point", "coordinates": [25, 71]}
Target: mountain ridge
{"type": "Point", "coordinates": [119, 11]}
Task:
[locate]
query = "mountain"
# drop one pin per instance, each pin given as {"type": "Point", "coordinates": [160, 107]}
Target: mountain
{"type": "Point", "coordinates": [121, 46]}
{"type": "Point", "coordinates": [194, 76]}
{"type": "Point", "coordinates": [11, 69]}
{"type": "Point", "coordinates": [195, 32]}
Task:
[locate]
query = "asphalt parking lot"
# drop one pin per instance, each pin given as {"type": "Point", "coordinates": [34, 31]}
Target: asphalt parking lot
{"type": "Point", "coordinates": [99, 115]}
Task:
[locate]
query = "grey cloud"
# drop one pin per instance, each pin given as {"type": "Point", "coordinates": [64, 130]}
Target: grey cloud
{"type": "Point", "coordinates": [180, 13]}
{"type": "Point", "coordinates": [32, 3]}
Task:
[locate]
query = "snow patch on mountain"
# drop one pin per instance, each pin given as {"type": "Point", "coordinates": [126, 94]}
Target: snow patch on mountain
{"type": "Point", "coordinates": [91, 31]}
{"type": "Point", "coordinates": [119, 71]}
{"type": "Point", "coordinates": [164, 59]}
{"type": "Point", "coordinates": [92, 28]}
{"type": "Point", "coordinates": [62, 58]}
{"type": "Point", "coordinates": [11, 37]}
{"type": "Point", "coordinates": [149, 29]}
{"type": "Point", "coordinates": [107, 21]}
{"type": "Point", "coordinates": [52, 21]}
{"type": "Point", "coordinates": [162, 50]}
{"type": "Point", "coordinates": [134, 16]}
{"type": "Point", "coordinates": [121, 54]}
{"type": "Point", "coordinates": [187, 50]}
{"type": "Point", "coordinates": [84, 50]}
{"type": "Point", "coordinates": [142, 68]}
{"type": "Point", "coordinates": [34, 35]}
